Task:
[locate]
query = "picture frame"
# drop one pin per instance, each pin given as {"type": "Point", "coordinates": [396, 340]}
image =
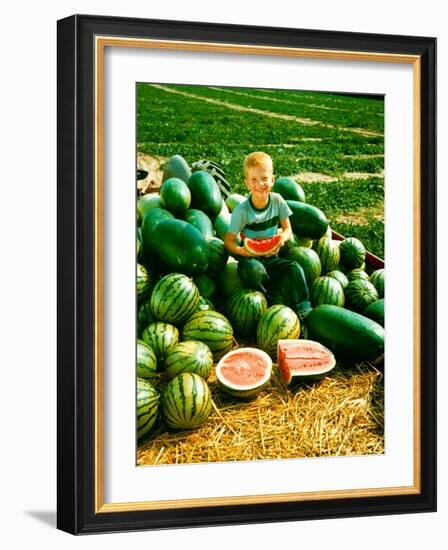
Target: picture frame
{"type": "Point", "coordinates": [82, 42]}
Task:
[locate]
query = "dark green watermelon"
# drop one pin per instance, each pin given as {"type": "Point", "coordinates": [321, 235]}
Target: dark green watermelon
{"type": "Point", "coordinates": [307, 220]}
{"type": "Point", "coordinates": [205, 193]}
{"type": "Point", "coordinates": [289, 189]}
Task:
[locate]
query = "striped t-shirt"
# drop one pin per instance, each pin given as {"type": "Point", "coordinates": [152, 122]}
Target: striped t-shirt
{"type": "Point", "coordinates": [259, 222]}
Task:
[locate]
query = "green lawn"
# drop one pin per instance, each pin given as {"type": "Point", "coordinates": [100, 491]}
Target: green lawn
{"type": "Point", "coordinates": [341, 137]}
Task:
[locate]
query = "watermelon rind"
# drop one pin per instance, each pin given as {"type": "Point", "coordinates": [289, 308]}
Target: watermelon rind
{"type": "Point", "coordinates": [359, 294]}
{"type": "Point", "coordinates": [327, 290]}
{"type": "Point", "coordinates": [186, 401]}
{"type": "Point", "coordinates": [244, 310]}
{"type": "Point", "coordinates": [353, 253]}
{"type": "Point", "coordinates": [375, 311]}
{"type": "Point", "coordinates": [161, 337]}
{"type": "Point", "coordinates": [147, 407]}
{"type": "Point", "coordinates": [377, 279]}
{"type": "Point", "coordinates": [146, 361]}
{"type": "Point", "coordinates": [189, 356]}
{"type": "Point", "coordinates": [174, 298]}
{"type": "Point", "coordinates": [290, 377]}
{"type": "Point", "coordinates": [244, 390]}
{"type": "Point", "coordinates": [212, 328]}
{"type": "Point", "coordinates": [328, 251]}
{"type": "Point", "coordinates": [277, 322]}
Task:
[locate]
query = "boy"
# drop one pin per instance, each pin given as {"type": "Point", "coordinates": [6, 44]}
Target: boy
{"type": "Point", "coordinates": [259, 216]}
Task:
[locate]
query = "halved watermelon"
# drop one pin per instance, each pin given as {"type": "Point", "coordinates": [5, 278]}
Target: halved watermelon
{"type": "Point", "coordinates": [244, 372]}
{"type": "Point", "coordinates": [262, 246]}
{"type": "Point", "coordinates": [303, 360]}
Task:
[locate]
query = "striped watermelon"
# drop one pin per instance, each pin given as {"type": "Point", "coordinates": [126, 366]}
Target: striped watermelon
{"type": "Point", "coordinates": [328, 251]}
{"type": "Point", "coordinates": [308, 259]}
{"type": "Point", "coordinates": [327, 290]}
{"type": "Point", "coordinates": [174, 298]}
{"type": "Point", "coordinates": [217, 256]}
{"type": "Point", "coordinates": [339, 276]}
{"type": "Point", "coordinates": [353, 253]}
{"type": "Point", "coordinates": [189, 357]}
{"type": "Point", "coordinates": [161, 337]}
{"type": "Point", "coordinates": [143, 282]}
{"type": "Point", "coordinates": [359, 294]}
{"type": "Point", "coordinates": [277, 323]}
{"type": "Point", "coordinates": [357, 273]}
{"type": "Point", "coordinates": [186, 401]}
{"type": "Point", "coordinates": [377, 280]}
{"type": "Point", "coordinates": [146, 361]}
{"type": "Point", "coordinates": [213, 329]}
{"type": "Point", "coordinates": [244, 311]}
{"type": "Point", "coordinates": [147, 407]}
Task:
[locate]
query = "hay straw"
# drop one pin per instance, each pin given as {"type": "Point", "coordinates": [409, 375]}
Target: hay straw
{"type": "Point", "coordinates": [341, 415]}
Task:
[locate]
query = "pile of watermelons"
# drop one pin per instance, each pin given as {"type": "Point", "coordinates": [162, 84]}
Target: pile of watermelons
{"type": "Point", "coordinates": [195, 303]}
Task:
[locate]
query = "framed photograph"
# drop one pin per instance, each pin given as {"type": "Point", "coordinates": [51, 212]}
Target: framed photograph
{"type": "Point", "coordinates": [230, 200]}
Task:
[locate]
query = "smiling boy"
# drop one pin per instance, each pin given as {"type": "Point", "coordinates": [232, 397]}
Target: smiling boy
{"type": "Point", "coordinates": [260, 216]}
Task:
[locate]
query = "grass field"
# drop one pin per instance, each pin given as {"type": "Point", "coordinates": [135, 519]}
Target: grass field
{"type": "Point", "coordinates": [333, 145]}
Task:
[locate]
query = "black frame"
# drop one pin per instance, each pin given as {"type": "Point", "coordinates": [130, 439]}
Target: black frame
{"type": "Point", "coordinates": [75, 403]}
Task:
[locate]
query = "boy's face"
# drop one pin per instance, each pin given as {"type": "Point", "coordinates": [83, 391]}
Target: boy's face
{"type": "Point", "coordinates": [259, 180]}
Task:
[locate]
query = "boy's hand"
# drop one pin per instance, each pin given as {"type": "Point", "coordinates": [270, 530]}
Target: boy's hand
{"type": "Point", "coordinates": [241, 251]}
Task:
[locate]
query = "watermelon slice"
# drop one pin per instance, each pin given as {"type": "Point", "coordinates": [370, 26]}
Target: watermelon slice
{"type": "Point", "coordinates": [262, 246]}
{"type": "Point", "coordinates": [244, 372]}
{"type": "Point", "coordinates": [303, 360]}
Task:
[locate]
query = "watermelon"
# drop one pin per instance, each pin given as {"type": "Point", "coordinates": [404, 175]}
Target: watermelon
{"type": "Point", "coordinates": [303, 360]}
{"type": "Point", "coordinates": [357, 273]}
{"type": "Point", "coordinates": [222, 222]}
{"type": "Point", "coordinates": [327, 290]}
{"type": "Point", "coordinates": [147, 407]}
{"type": "Point", "coordinates": [180, 247]}
{"type": "Point", "coordinates": [146, 361]}
{"type": "Point", "coordinates": [244, 372]}
{"type": "Point", "coordinates": [292, 242]}
{"type": "Point", "coordinates": [229, 280]}
{"type": "Point", "coordinates": [189, 357]}
{"type": "Point", "coordinates": [233, 200]}
{"type": "Point", "coordinates": [346, 333]}
{"type": "Point", "coordinates": [146, 202]}
{"type": "Point", "coordinates": [205, 284]}
{"type": "Point", "coordinates": [205, 193]}
{"type": "Point", "coordinates": [375, 311]}
{"type": "Point", "coordinates": [211, 328]}
{"type": "Point", "coordinates": [329, 255]}
{"type": "Point", "coordinates": [353, 253]}
{"type": "Point", "coordinates": [144, 315]}
{"type": "Point", "coordinates": [307, 220]}
{"type": "Point", "coordinates": [174, 298]}
{"type": "Point", "coordinates": [217, 256]}
{"type": "Point", "coordinates": [244, 311]}
{"type": "Point", "coordinates": [339, 276]}
{"type": "Point", "coordinates": [186, 401]}
{"type": "Point", "coordinates": [175, 196]}
{"type": "Point", "coordinates": [176, 167]}
{"type": "Point", "coordinates": [143, 282]}
{"type": "Point", "coordinates": [289, 189]}
{"type": "Point", "coordinates": [262, 246]}
{"type": "Point", "coordinates": [304, 241]}
{"type": "Point", "coordinates": [359, 294]}
{"type": "Point", "coordinates": [253, 274]}
{"type": "Point", "coordinates": [277, 323]}
{"type": "Point", "coordinates": [161, 337]}
{"type": "Point", "coordinates": [377, 280]}
{"type": "Point", "coordinates": [201, 221]}
{"type": "Point", "coordinates": [308, 259]}
{"type": "Point", "coordinates": [150, 222]}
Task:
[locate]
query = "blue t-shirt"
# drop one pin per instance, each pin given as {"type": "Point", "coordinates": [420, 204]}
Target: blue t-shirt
{"type": "Point", "coordinates": [259, 222]}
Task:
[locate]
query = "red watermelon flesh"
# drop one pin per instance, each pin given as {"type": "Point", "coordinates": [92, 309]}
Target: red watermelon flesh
{"type": "Point", "coordinates": [303, 360]}
{"type": "Point", "coordinates": [244, 372]}
{"type": "Point", "coordinates": [261, 246]}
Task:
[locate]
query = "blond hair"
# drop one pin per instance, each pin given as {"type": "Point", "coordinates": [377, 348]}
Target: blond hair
{"type": "Point", "coordinates": [257, 158]}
